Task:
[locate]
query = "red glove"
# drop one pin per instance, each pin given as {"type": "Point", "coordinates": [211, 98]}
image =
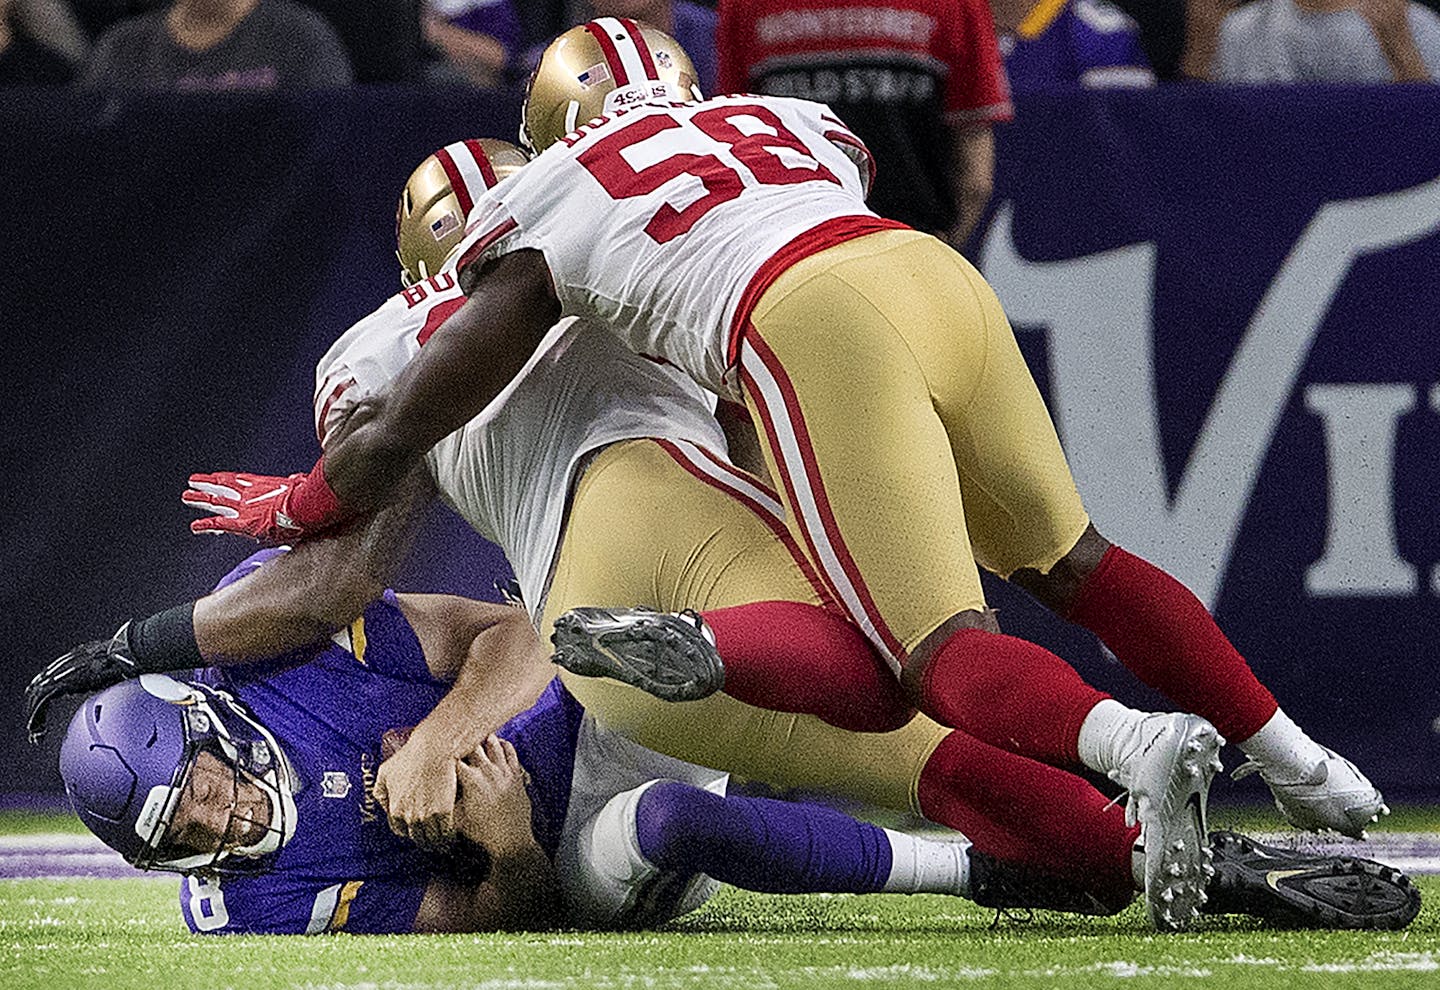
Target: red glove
{"type": "Point", "coordinates": [264, 507]}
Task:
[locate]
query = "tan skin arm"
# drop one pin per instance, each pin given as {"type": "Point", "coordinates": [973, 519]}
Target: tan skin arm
{"type": "Point", "coordinates": [481, 348]}
{"type": "Point", "coordinates": [498, 667]}
{"type": "Point", "coordinates": [1389, 20]}
{"type": "Point", "coordinates": [521, 892]}
{"type": "Point", "coordinates": [1202, 36]}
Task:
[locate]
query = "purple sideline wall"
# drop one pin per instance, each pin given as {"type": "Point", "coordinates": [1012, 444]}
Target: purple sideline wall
{"type": "Point", "coordinates": [1228, 297]}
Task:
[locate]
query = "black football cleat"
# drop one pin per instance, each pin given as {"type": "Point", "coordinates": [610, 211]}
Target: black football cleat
{"type": "Point", "coordinates": [671, 655]}
{"type": "Point", "coordinates": [1295, 890]}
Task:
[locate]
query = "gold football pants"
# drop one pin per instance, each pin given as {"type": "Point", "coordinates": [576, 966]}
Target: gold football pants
{"type": "Point", "coordinates": [670, 526]}
{"type": "Point", "coordinates": [905, 432]}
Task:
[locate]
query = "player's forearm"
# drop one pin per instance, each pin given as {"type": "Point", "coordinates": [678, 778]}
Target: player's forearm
{"type": "Point", "coordinates": [521, 892]}
{"type": "Point", "coordinates": [973, 178]}
{"type": "Point", "coordinates": [1406, 62]}
{"type": "Point", "coordinates": [376, 450]}
{"type": "Point", "coordinates": [504, 671]}
{"type": "Point", "coordinates": [523, 889]}
{"type": "Point", "coordinates": [1202, 39]}
{"type": "Point", "coordinates": [317, 588]}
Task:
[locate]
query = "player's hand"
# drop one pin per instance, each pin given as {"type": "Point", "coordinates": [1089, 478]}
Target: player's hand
{"type": "Point", "coordinates": [253, 505]}
{"type": "Point", "coordinates": [494, 808]}
{"type": "Point", "coordinates": [89, 667]}
{"type": "Point", "coordinates": [416, 786]}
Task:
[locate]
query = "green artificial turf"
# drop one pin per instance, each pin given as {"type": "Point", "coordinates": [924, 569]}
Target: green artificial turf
{"type": "Point", "coordinates": [127, 935]}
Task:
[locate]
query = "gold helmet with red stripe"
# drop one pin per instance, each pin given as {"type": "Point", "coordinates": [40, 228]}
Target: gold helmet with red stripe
{"type": "Point", "coordinates": [430, 220]}
{"type": "Point", "coordinates": [604, 65]}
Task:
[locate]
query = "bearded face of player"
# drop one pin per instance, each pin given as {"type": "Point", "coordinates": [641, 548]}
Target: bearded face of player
{"type": "Point", "coordinates": [599, 67]}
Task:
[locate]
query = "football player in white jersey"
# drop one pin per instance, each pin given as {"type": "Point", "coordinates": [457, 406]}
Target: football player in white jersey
{"type": "Point", "coordinates": [576, 475]}
{"type": "Point", "coordinates": [573, 474]}
{"type": "Point", "coordinates": [730, 239]}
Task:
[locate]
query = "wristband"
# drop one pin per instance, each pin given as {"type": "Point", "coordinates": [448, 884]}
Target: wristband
{"type": "Point", "coordinates": [165, 641]}
{"type": "Point", "coordinates": [313, 504]}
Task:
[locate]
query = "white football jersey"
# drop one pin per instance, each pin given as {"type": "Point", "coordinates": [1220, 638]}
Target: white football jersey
{"type": "Point", "coordinates": [655, 219]}
{"type": "Point", "coordinates": [508, 471]}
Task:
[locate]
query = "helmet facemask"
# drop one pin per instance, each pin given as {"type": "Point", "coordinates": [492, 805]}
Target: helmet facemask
{"type": "Point", "coordinates": [214, 722]}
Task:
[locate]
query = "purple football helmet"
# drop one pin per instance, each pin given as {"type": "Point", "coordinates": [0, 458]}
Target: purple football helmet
{"type": "Point", "coordinates": [129, 753]}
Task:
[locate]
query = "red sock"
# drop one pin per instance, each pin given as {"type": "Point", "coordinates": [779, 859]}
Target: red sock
{"type": "Point", "coordinates": [1161, 632]}
{"type": "Point", "coordinates": [1010, 693]}
{"type": "Point", "coordinates": [1026, 812]}
{"type": "Point", "coordinates": [792, 657]}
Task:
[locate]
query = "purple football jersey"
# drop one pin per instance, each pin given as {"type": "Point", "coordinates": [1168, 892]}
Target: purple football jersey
{"type": "Point", "coordinates": [344, 869]}
{"type": "Point", "coordinates": [1069, 42]}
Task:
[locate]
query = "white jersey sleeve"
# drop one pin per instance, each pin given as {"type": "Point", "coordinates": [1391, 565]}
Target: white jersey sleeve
{"type": "Point", "coordinates": [369, 354]}
{"type": "Point", "coordinates": [508, 471]}
{"type": "Point", "coordinates": [655, 220]}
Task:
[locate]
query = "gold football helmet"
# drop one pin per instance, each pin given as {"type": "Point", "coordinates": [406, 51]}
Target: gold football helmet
{"type": "Point", "coordinates": [609, 63]}
{"type": "Point", "coordinates": [430, 220]}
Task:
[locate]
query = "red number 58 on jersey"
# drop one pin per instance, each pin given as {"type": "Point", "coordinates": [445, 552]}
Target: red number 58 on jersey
{"type": "Point", "coordinates": [752, 133]}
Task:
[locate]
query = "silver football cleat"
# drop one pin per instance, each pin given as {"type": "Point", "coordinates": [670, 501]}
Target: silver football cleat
{"type": "Point", "coordinates": [1168, 777]}
{"type": "Point", "coordinates": [671, 655]}
{"type": "Point", "coordinates": [1334, 795]}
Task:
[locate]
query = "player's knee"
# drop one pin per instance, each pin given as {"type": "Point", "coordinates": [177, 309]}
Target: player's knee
{"type": "Point", "coordinates": [1058, 587]}
{"type": "Point", "coordinates": [916, 666]}
{"type": "Point", "coordinates": [666, 819]}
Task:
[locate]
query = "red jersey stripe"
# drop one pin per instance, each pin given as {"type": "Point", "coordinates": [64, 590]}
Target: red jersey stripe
{"type": "Point", "coordinates": [478, 248]}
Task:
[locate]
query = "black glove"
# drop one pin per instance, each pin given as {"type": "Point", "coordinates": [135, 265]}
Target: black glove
{"type": "Point", "coordinates": [89, 667]}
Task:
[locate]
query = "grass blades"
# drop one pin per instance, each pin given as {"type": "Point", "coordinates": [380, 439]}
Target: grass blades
{"type": "Point", "coordinates": [127, 935]}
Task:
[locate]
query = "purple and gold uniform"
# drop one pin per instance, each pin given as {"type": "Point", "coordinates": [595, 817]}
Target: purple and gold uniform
{"type": "Point", "coordinates": [1064, 42]}
{"type": "Point", "coordinates": [344, 870]}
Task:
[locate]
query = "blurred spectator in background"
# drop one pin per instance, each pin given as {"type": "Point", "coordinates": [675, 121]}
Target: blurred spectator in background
{"type": "Point", "coordinates": [23, 59]}
{"type": "Point", "coordinates": [541, 21]}
{"type": "Point", "coordinates": [1288, 41]}
{"type": "Point", "coordinates": [1049, 43]}
{"type": "Point", "coordinates": [919, 80]}
{"type": "Point", "coordinates": [690, 24]}
{"type": "Point", "coordinates": [478, 37]}
{"type": "Point", "coordinates": [381, 37]}
{"type": "Point", "coordinates": [1162, 32]}
{"type": "Point", "coordinates": [96, 16]}
{"type": "Point", "coordinates": [195, 45]}
{"type": "Point", "coordinates": [53, 24]}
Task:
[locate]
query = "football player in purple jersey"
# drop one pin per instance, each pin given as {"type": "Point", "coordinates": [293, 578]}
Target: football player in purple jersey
{"type": "Point", "coordinates": [259, 781]}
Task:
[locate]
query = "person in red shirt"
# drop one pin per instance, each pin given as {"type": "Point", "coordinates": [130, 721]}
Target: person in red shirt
{"type": "Point", "coordinates": [920, 81]}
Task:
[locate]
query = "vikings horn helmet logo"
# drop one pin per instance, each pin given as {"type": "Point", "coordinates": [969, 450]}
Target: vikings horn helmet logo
{"type": "Point", "coordinates": [605, 65]}
{"type": "Point", "coordinates": [430, 219]}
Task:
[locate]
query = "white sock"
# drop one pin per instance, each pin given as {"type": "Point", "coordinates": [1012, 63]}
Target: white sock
{"type": "Point", "coordinates": [1108, 734]}
{"type": "Point", "coordinates": [927, 866]}
{"type": "Point", "coordinates": [1283, 749]}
